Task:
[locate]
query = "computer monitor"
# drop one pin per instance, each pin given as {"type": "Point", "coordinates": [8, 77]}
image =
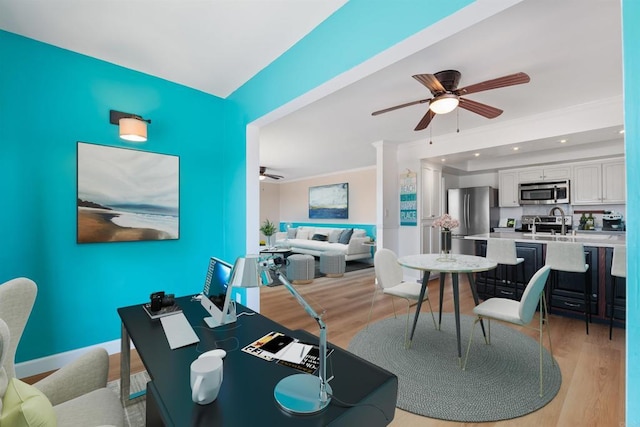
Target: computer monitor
{"type": "Point", "coordinates": [216, 294]}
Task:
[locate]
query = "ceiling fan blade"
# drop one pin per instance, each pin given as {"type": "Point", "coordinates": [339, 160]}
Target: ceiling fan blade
{"type": "Point", "coordinates": [476, 107]}
{"type": "Point", "coordinates": [510, 80]}
{"type": "Point", "coordinates": [386, 110]}
{"type": "Point", "coordinates": [430, 82]}
{"type": "Point", "coordinates": [426, 119]}
{"type": "Point", "coordinates": [273, 176]}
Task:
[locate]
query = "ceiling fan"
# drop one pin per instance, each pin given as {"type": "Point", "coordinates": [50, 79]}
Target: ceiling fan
{"type": "Point", "coordinates": [446, 95]}
{"type": "Point", "coordinates": [264, 174]}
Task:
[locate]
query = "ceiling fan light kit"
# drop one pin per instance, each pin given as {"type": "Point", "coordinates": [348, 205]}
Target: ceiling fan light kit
{"type": "Point", "coordinates": [443, 86]}
{"type": "Point", "coordinates": [444, 103]}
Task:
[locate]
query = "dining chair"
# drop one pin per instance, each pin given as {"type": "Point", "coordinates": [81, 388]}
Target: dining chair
{"type": "Point", "coordinates": [390, 280]}
{"type": "Point", "coordinates": [618, 269]}
{"type": "Point", "coordinates": [517, 312]}
{"type": "Point", "coordinates": [503, 253]}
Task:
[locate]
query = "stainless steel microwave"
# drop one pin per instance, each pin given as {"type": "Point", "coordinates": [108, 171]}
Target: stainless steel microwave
{"type": "Point", "coordinates": [544, 193]}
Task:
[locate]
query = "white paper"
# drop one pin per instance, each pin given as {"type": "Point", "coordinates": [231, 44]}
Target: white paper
{"type": "Point", "coordinates": [294, 352]}
{"type": "Point", "coordinates": [178, 331]}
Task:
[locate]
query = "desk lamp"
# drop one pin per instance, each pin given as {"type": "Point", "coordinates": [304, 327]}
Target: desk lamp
{"type": "Point", "coordinates": [300, 393]}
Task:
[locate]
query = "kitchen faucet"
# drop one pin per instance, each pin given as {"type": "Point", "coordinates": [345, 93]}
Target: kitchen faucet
{"type": "Point", "coordinates": [533, 229]}
{"type": "Point", "coordinates": [563, 229]}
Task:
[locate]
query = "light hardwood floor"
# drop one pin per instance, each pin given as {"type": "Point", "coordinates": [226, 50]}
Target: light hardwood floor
{"type": "Point", "coordinates": [593, 368]}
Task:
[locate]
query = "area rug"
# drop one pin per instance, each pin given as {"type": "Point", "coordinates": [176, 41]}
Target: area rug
{"type": "Point", "coordinates": [135, 413]}
{"type": "Point", "coordinates": [501, 380]}
{"type": "Point", "coordinates": [349, 267]}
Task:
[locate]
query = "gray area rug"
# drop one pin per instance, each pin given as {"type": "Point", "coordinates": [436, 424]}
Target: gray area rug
{"type": "Point", "coordinates": [501, 380]}
{"type": "Point", "coordinates": [135, 414]}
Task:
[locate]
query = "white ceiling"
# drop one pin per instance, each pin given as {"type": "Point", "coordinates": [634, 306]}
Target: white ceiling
{"type": "Point", "coordinates": [214, 46]}
{"type": "Point", "coordinates": [570, 48]}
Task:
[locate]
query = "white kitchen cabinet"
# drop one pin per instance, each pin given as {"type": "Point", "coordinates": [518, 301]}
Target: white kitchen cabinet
{"type": "Point", "coordinates": [550, 173]}
{"type": "Point", "coordinates": [431, 192]}
{"type": "Point", "coordinates": [508, 189]}
{"type": "Point", "coordinates": [614, 182]}
{"type": "Point", "coordinates": [595, 183]}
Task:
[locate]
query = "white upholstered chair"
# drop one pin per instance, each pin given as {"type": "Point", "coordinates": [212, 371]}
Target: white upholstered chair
{"type": "Point", "coordinates": [78, 390]}
{"type": "Point", "coordinates": [569, 257]}
{"type": "Point", "coordinates": [503, 252]}
{"type": "Point", "coordinates": [618, 269]}
{"type": "Point", "coordinates": [517, 312]}
{"type": "Point", "coordinates": [390, 280]}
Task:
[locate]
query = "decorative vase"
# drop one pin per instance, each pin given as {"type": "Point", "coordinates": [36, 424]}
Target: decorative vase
{"type": "Point", "coordinates": [445, 246]}
{"type": "Point", "coordinates": [270, 240]}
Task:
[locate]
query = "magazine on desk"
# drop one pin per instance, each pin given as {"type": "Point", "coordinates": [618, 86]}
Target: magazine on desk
{"type": "Point", "coordinates": [285, 350]}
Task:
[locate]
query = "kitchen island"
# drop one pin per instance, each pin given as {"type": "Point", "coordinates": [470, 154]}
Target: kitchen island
{"type": "Point", "coordinates": [565, 293]}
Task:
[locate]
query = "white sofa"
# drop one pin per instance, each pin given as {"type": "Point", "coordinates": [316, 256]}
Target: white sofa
{"type": "Point", "coordinates": [301, 240]}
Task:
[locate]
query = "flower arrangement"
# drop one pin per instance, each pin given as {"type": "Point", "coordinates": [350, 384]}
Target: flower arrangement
{"type": "Point", "coordinates": [446, 222]}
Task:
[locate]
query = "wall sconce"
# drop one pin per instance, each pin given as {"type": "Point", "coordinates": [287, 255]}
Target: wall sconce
{"type": "Point", "coordinates": [132, 126]}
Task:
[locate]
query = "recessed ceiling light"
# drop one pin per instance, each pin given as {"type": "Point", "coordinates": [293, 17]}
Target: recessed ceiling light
{"type": "Point", "coordinates": [516, 148]}
{"type": "Point", "coordinates": [562, 141]}
{"type": "Point", "coordinates": [477, 154]}
{"type": "Point", "coordinates": [444, 160]}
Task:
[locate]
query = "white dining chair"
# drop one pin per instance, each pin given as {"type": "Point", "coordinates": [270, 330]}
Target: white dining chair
{"type": "Point", "coordinates": [390, 280]}
{"type": "Point", "coordinates": [517, 312]}
{"type": "Point", "coordinates": [618, 269]}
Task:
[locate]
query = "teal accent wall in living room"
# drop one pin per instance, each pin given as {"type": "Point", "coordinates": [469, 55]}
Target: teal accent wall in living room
{"type": "Point", "coordinates": [51, 98]}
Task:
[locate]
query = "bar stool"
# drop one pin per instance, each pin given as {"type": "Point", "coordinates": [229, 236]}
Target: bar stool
{"type": "Point", "coordinates": [618, 269]}
{"type": "Point", "coordinates": [570, 257]}
{"type": "Point", "coordinates": [503, 252]}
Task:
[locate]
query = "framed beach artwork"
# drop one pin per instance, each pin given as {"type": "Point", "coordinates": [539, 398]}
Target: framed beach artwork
{"type": "Point", "coordinates": [329, 201]}
{"type": "Point", "coordinates": [126, 195]}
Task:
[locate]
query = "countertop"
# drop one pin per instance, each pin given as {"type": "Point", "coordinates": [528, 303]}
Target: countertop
{"type": "Point", "coordinates": [587, 238]}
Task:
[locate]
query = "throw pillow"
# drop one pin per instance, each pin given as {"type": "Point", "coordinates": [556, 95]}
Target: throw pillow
{"type": "Point", "coordinates": [345, 236]}
{"type": "Point", "coordinates": [302, 234]}
{"type": "Point", "coordinates": [291, 233]}
{"type": "Point", "coordinates": [320, 237]}
{"type": "Point", "coordinates": [26, 406]}
{"type": "Point", "coordinates": [334, 235]}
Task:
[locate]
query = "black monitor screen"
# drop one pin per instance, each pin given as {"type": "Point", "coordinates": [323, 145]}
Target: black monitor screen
{"type": "Point", "coordinates": [215, 285]}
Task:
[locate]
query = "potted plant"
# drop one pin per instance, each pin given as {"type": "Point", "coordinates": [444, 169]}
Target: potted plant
{"type": "Point", "coordinates": [268, 229]}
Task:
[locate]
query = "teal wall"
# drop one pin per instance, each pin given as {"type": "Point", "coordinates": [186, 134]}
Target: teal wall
{"type": "Point", "coordinates": [631, 63]}
{"type": "Point", "coordinates": [51, 98]}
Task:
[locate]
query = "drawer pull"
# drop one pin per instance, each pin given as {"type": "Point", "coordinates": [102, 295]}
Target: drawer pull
{"type": "Point", "coordinates": [506, 293]}
{"type": "Point", "coordinates": [568, 304]}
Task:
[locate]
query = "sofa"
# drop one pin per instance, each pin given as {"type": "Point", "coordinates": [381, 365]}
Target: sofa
{"type": "Point", "coordinates": [316, 240]}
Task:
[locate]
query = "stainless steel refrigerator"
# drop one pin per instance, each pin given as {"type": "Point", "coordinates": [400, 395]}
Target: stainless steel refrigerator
{"type": "Point", "coordinates": [477, 210]}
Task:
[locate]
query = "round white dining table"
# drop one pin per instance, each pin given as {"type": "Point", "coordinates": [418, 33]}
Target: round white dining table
{"type": "Point", "coordinates": [453, 264]}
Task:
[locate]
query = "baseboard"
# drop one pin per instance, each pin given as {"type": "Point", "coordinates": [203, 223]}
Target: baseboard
{"type": "Point", "coordinates": [57, 361]}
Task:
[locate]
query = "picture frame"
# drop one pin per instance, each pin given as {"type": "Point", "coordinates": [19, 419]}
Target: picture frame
{"type": "Point", "coordinates": [124, 194]}
{"type": "Point", "coordinates": [329, 201]}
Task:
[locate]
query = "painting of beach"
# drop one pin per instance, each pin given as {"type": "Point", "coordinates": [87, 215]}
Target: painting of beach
{"type": "Point", "coordinates": [127, 195]}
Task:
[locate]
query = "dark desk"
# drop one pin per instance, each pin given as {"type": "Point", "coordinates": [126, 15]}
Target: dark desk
{"type": "Point", "coordinates": [246, 396]}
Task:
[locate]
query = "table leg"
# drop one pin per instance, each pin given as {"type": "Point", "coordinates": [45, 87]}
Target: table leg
{"type": "Point", "coordinates": [456, 308]}
{"type": "Point", "coordinates": [441, 296]}
{"type": "Point", "coordinates": [425, 282]}
{"type": "Point", "coordinates": [474, 292]}
{"type": "Point", "coordinates": [125, 370]}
